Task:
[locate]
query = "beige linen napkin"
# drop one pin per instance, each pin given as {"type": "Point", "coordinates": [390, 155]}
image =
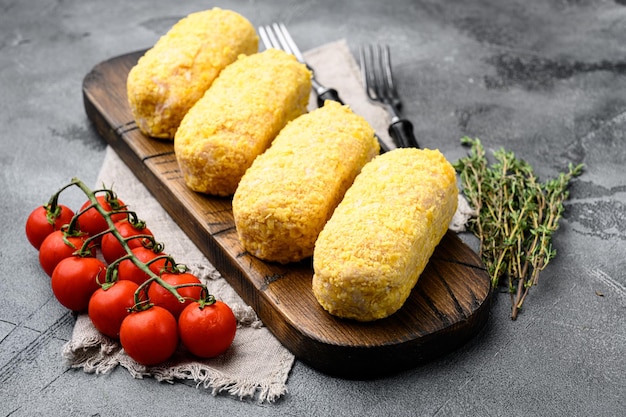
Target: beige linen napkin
{"type": "Point", "coordinates": [257, 365]}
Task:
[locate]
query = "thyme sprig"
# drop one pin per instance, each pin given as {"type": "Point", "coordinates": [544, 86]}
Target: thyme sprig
{"type": "Point", "coordinates": [517, 216]}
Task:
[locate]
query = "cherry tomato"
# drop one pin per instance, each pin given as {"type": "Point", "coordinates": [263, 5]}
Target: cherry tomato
{"type": "Point", "coordinates": [92, 222]}
{"type": "Point", "coordinates": [159, 296]}
{"type": "Point", "coordinates": [127, 270]}
{"type": "Point", "coordinates": [209, 330]}
{"type": "Point", "coordinates": [149, 336]}
{"type": "Point", "coordinates": [110, 304]}
{"type": "Point", "coordinates": [112, 249]}
{"type": "Point", "coordinates": [42, 221]}
{"type": "Point", "coordinates": [75, 279]}
{"type": "Point", "coordinates": [56, 247]}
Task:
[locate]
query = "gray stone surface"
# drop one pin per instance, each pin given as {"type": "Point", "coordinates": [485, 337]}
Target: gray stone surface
{"type": "Point", "coordinates": [544, 79]}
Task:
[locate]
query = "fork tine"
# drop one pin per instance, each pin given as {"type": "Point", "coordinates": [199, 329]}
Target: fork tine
{"type": "Point", "coordinates": [367, 76]}
{"type": "Point", "coordinates": [380, 79]}
{"type": "Point", "coordinates": [386, 60]}
{"type": "Point", "coordinates": [274, 38]}
{"type": "Point", "coordinates": [267, 42]}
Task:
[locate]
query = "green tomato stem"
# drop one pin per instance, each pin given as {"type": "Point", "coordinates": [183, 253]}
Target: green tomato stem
{"type": "Point", "coordinates": [111, 275]}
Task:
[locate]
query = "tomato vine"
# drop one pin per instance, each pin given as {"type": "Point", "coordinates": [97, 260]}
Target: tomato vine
{"type": "Point", "coordinates": [100, 215]}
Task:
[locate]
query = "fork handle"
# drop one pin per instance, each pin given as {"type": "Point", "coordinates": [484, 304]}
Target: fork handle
{"type": "Point", "coordinates": [402, 133]}
{"type": "Point", "coordinates": [328, 94]}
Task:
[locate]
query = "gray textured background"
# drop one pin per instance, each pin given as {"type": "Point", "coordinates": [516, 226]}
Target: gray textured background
{"type": "Point", "coordinates": [545, 79]}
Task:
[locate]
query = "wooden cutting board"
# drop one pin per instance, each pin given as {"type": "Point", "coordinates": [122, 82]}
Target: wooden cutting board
{"type": "Point", "coordinates": [449, 304]}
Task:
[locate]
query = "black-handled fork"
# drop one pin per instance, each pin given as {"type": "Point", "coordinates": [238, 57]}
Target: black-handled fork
{"type": "Point", "coordinates": [378, 81]}
{"type": "Point", "coordinates": [276, 36]}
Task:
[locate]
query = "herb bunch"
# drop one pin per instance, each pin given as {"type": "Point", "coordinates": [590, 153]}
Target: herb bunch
{"type": "Point", "coordinates": [517, 216]}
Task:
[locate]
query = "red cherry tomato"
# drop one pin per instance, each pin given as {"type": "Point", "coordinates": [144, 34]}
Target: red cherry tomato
{"type": "Point", "coordinates": [112, 249]}
{"type": "Point", "coordinates": [127, 270]}
{"type": "Point", "coordinates": [92, 222]}
{"type": "Point", "coordinates": [159, 296]}
{"type": "Point", "coordinates": [209, 330]}
{"type": "Point", "coordinates": [75, 279]}
{"type": "Point", "coordinates": [110, 304]}
{"type": "Point", "coordinates": [57, 246]}
{"type": "Point", "coordinates": [42, 221]}
{"type": "Point", "coordinates": [149, 336]}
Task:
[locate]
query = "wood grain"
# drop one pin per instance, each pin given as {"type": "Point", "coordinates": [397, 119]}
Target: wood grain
{"type": "Point", "coordinates": [449, 304]}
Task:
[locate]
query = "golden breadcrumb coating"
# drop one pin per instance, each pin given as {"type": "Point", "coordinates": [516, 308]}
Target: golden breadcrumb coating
{"type": "Point", "coordinates": [237, 119]}
{"type": "Point", "coordinates": [372, 251]}
{"type": "Point", "coordinates": [171, 76]}
{"type": "Point", "coordinates": [291, 190]}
